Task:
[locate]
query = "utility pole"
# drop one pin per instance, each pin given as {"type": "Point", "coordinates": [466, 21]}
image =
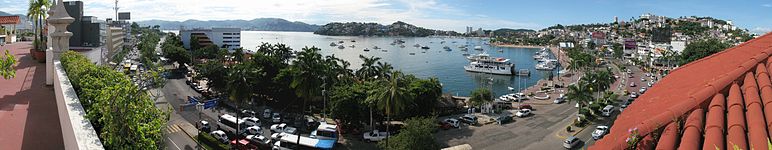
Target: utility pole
{"type": "Point", "coordinates": [116, 10]}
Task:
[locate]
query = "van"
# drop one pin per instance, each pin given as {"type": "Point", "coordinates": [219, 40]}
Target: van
{"type": "Point", "coordinates": [607, 110]}
{"type": "Point", "coordinates": [570, 142]}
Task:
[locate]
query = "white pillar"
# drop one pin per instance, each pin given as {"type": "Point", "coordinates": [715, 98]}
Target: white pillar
{"type": "Point", "coordinates": [59, 39]}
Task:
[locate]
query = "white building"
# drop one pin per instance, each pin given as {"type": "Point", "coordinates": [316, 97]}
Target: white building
{"type": "Point", "coordinates": [114, 39]}
{"type": "Point", "coordinates": [222, 37]}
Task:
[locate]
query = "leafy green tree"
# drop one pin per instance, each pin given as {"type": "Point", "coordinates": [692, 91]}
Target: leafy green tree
{"type": "Point", "coordinates": [416, 135]}
{"type": "Point", "coordinates": [618, 50]}
{"type": "Point", "coordinates": [427, 93]}
{"type": "Point", "coordinates": [215, 72]}
{"type": "Point", "coordinates": [368, 70]}
{"type": "Point", "coordinates": [480, 96]}
{"type": "Point", "coordinates": [176, 54]}
{"type": "Point", "coordinates": [6, 66]}
{"type": "Point", "coordinates": [194, 45]}
{"type": "Point", "coordinates": [347, 103]}
{"type": "Point", "coordinates": [391, 96]}
{"type": "Point", "coordinates": [238, 54]}
{"type": "Point", "coordinates": [579, 93]}
{"type": "Point", "coordinates": [699, 49]}
{"type": "Point", "coordinates": [240, 87]}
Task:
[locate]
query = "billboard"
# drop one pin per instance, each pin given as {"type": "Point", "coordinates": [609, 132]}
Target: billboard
{"type": "Point", "coordinates": [124, 16]}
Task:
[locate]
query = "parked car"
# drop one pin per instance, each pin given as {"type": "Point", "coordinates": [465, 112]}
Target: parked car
{"type": "Point", "coordinates": [444, 125]}
{"type": "Point", "coordinates": [642, 90]}
{"type": "Point", "coordinates": [204, 126]}
{"type": "Point", "coordinates": [258, 139]}
{"type": "Point", "coordinates": [452, 122]}
{"type": "Point", "coordinates": [624, 105]}
{"type": "Point", "coordinates": [267, 113]}
{"type": "Point", "coordinates": [249, 113]}
{"type": "Point", "coordinates": [251, 121]}
{"type": "Point", "coordinates": [276, 118]}
{"type": "Point", "coordinates": [220, 136]}
{"type": "Point", "coordinates": [470, 119]}
{"type": "Point", "coordinates": [571, 142]}
{"type": "Point", "coordinates": [525, 106]}
{"type": "Point", "coordinates": [634, 95]}
{"type": "Point", "coordinates": [253, 130]}
{"type": "Point", "coordinates": [560, 99]}
{"type": "Point", "coordinates": [606, 111]}
{"type": "Point", "coordinates": [523, 113]}
{"type": "Point", "coordinates": [283, 128]}
{"type": "Point", "coordinates": [503, 119]}
{"type": "Point", "coordinates": [632, 84]}
{"type": "Point", "coordinates": [375, 135]}
{"type": "Point", "coordinates": [599, 132]}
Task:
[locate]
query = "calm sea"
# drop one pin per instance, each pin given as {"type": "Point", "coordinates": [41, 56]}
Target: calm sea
{"type": "Point", "coordinates": [447, 66]}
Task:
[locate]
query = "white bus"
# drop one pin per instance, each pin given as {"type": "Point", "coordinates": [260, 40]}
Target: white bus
{"type": "Point", "coordinates": [295, 142]}
{"type": "Point", "coordinates": [230, 123]}
{"type": "Point", "coordinates": [325, 131]}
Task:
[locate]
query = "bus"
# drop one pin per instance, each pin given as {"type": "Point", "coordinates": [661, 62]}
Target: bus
{"type": "Point", "coordinates": [230, 124]}
{"type": "Point", "coordinates": [325, 131]}
{"type": "Point", "coordinates": [295, 142]}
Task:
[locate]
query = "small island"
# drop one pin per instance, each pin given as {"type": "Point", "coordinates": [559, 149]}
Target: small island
{"type": "Point", "coordinates": [398, 28]}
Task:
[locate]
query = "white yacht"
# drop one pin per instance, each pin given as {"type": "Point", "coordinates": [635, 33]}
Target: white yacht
{"type": "Point", "coordinates": [484, 63]}
{"type": "Point", "coordinates": [479, 48]}
{"type": "Point", "coordinates": [540, 55]}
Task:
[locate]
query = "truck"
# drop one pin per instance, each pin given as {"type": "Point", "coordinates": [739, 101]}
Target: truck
{"type": "Point", "coordinates": [375, 135]}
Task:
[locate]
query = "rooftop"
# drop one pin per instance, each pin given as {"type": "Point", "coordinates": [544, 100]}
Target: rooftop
{"type": "Point", "coordinates": [717, 101]}
{"type": "Point", "coordinates": [28, 108]}
{"type": "Point", "coordinates": [9, 19]}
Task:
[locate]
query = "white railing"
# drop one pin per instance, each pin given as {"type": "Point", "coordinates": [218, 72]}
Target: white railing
{"type": "Point", "coordinates": [77, 131]}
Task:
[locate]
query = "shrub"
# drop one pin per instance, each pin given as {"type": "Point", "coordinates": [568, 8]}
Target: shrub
{"type": "Point", "coordinates": [123, 115]}
{"type": "Point", "coordinates": [211, 142]}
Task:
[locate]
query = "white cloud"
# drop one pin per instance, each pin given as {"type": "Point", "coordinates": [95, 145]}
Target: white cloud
{"type": "Point", "coordinates": [427, 13]}
{"type": "Point", "coordinates": [766, 5]}
{"type": "Point", "coordinates": [761, 30]}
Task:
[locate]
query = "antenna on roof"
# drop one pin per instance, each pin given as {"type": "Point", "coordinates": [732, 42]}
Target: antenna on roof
{"type": "Point", "coordinates": [116, 9]}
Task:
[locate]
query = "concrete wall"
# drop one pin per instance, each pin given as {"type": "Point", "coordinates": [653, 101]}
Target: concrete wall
{"type": "Point", "coordinates": [77, 131]}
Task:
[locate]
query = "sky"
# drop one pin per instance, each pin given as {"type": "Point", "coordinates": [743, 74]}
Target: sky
{"type": "Point", "coordinates": [754, 15]}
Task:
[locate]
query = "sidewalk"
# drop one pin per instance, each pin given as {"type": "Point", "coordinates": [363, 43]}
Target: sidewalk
{"type": "Point", "coordinates": [28, 109]}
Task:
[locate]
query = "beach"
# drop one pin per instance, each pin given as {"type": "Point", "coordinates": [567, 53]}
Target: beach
{"type": "Point", "coordinates": [516, 46]}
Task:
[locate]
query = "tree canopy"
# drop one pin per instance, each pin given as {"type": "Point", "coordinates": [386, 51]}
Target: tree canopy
{"type": "Point", "coordinates": [699, 49]}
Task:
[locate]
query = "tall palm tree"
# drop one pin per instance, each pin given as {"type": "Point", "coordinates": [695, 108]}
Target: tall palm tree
{"type": "Point", "coordinates": [579, 94]}
{"type": "Point", "coordinates": [393, 95]}
{"type": "Point", "coordinates": [37, 13]}
{"type": "Point", "coordinates": [240, 80]}
{"type": "Point", "coordinates": [384, 70]}
{"type": "Point", "coordinates": [368, 70]}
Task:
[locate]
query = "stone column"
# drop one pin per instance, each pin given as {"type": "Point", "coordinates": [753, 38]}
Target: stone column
{"type": "Point", "coordinates": [59, 40]}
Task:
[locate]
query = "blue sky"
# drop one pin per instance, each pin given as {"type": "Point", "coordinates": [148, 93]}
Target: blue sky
{"type": "Point", "coordinates": [438, 14]}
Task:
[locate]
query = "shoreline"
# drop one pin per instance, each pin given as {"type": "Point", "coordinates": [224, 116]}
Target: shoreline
{"type": "Point", "coordinates": [517, 46]}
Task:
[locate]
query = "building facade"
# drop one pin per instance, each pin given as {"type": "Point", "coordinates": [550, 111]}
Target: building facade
{"type": "Point", "coordinates": [115, 39]}
{"type": "Point", "coordinates": [229, 38]}
{"type": "Point", "coordinates": [87, 31]}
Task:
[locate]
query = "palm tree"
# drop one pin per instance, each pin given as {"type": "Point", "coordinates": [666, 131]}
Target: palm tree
{"type": "Point", "coordinates": [392, 96]}
{"type": "Point", "coordinates": [579, 93]}
{"type": "Point", "coordinates": [368, 69]}
{"type": "Point", "coordinates": [37, 12]}
{"type": "Point", "coordinates": [384, 70]}
{"type": "Point", "coordinates": [240, 80]}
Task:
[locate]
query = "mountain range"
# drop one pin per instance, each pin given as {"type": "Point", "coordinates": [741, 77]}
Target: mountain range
{"type": "Point", "coordinates": [398, 28]}
{"type": "Point", "coordinates": [259, 24]}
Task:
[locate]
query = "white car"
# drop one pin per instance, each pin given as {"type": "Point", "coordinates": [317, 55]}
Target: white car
{"type": "Point", "coordinates": [632, 84]}
{"type": "Point", "coordinates": [633, 95]}
{"type": "Point", "coordinates": [570, 142]}
{"type": "Point", "coordinates": [374, 136]}
{"type": "Point", "coordinates": [283, 128]}
{"type": "Point", "coordinates": [453, 122]}
{"type": "Point", "coordinates": [248, 113]}
{"type": "Point", "coordinates": [560, 99]}
{"type": "Point", "coordinates": [642, 90]}
{"type": "Point", "coordinates": [276, 118]}
{"type": "Point", "coordinates": [258, 139]}
{"type": "Point", "coordinates": [220, 136]}
{"type": "Point", "coordinates": [253, 130]}
{"type": "Point", "coordinates": [523, 113]}
{"type": "Point", "coordinates": [251, 121]}
{"type": "Point", "coordinates": [599, 132]}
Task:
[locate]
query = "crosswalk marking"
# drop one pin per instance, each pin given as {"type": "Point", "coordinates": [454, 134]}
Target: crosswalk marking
{"type": "Point", "coordinates": [173, 128]}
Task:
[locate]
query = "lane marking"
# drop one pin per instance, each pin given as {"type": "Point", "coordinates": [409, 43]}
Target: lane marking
{"type": "Point", "coordinates": [175, 144]}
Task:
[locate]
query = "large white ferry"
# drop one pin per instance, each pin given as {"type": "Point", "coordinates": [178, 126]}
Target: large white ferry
{"type": "Point", "coordinates": [486, 64]}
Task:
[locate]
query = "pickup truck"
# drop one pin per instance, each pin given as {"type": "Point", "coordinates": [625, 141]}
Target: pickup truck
{"type": "Point", "coordinates": [374, 136]}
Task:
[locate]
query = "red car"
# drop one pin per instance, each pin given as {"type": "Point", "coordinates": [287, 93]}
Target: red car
{"type": "Point", "coordinates": [444, 125]}
{"type": "Point", "coordinates": [525, 106]}
{"type": "Point", "coordinates": [243, 144]}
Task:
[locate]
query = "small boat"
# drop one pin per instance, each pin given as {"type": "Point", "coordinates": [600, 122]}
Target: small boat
{"type": "Point", "coordinates": [417, 45]}
{"type": "Point", "coordinates": [464, 49]}
{"type": "Point", "coordinates": [333, 44]}
{"type": "Point", "coordinates": [367, 50]}
{"type": "Point", "coordinates": [401, 46]}
{"type": "Point", "coordinates": [412, 53]}
{"type": "Point", "coordinates": [341, 47]}
{"type": "Point", "coordinates": [393, 43]}
{"type": "Point", "coordinates": [479, 48]}
{"type": "Point", "coordinates": [423, 52]}
{"type": "Point", "coordinates": [453, 42]}
{"type": "Point", "coordinates": [352, 46]}
{"type": "Point", "coordinates": [523, 72]}
{"type": "Point", "coordinates": [462, 46]}
{"type": "Point", "coordinates": [384, 50]}
{"type": "Point", "coordinates": [465, 54]}
{"type": "Point", "coordinates": [500, 50]}
{"type": "Point", "coordinates": [442, 42]}
{"type": "Point", "coordinates": [424, 47]}
{"type": "Point", "coordinates": [340, 41]}
{"type": "Point", "coordinates": [353, 41]}
{"type": "Point", "coordinates": [447, 48]}
{"type": "Point", "coordinates": [376, 47]}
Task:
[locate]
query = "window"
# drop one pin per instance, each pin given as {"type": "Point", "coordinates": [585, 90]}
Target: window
{"type": "Point", "coordinates": [227, 33]}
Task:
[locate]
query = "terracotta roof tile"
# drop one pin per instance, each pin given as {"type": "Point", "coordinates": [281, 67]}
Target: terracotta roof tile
{"type": "Point", "coordinates": [9, 19]}
{"type": "Point", "coordinates": [695, 85]}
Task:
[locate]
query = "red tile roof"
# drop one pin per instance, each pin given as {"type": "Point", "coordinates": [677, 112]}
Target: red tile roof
{"type": "Point", "coordinates": [740, 73]}
{"type": "Point", "coordinates": [9, 19]}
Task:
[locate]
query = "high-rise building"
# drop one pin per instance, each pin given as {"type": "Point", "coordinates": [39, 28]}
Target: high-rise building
{"type": "Point", "coordinates": [114, 39]}
{"type": "Point", "coordinates": [87, 31]}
